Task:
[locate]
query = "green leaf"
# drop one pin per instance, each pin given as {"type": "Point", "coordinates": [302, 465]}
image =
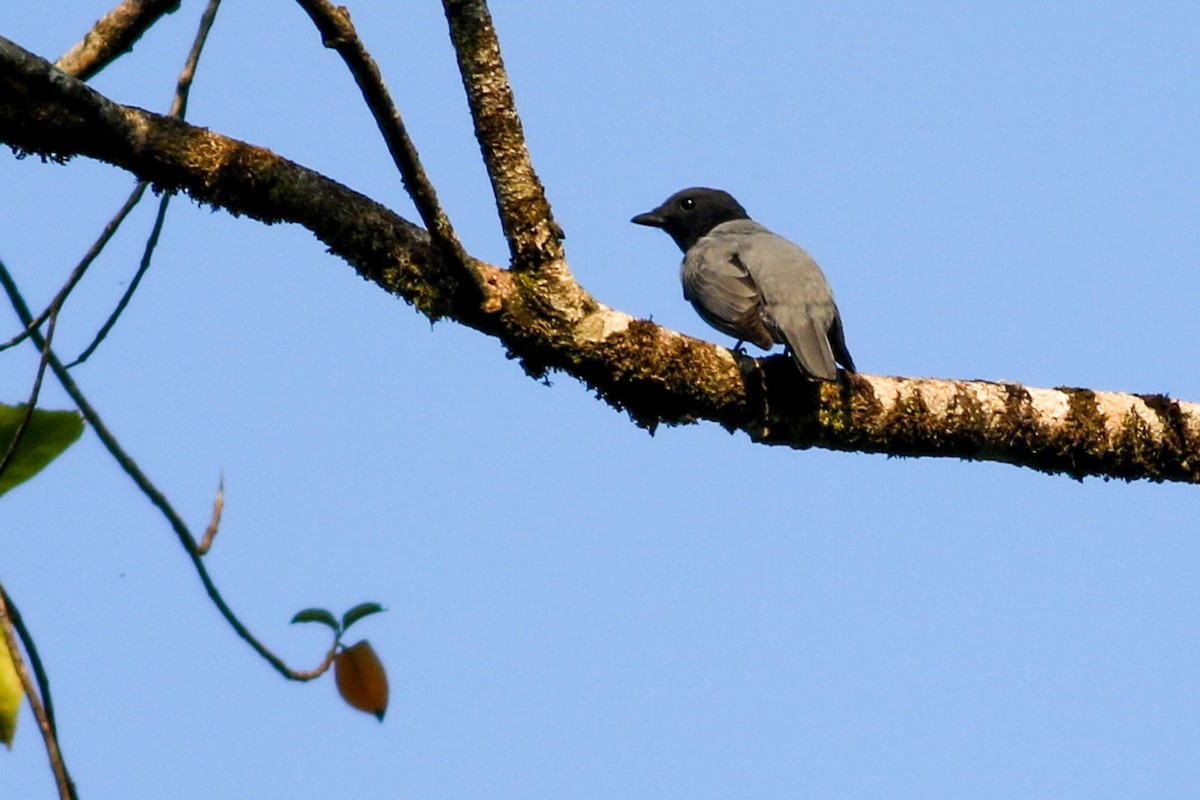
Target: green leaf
{"type": "Point", "coordinates": [48, 434]}
{"type": "Point", "coordinates": [358, 612]}
{"type": "Point", "coordinates": [317, 615]}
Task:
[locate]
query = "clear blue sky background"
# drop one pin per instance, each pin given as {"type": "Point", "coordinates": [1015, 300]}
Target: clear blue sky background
{"type": "Point", "coordinates": [578, 609]}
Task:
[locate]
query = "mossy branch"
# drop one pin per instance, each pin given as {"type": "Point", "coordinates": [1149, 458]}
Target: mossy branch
{"type": "Point", "coordinates": [549, 322]}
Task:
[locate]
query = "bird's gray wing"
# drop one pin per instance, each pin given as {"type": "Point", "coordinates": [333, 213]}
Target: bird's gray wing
{"type": "Point", "coordinates": [723, 293]}
{"type": "Point", "coordinates": [797, 303]}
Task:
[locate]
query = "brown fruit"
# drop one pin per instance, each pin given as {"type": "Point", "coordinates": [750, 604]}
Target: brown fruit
{"type": "Point", "coordinates": [361, 680]}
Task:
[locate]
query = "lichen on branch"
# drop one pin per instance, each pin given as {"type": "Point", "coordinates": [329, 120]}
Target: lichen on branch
{"type": "Point", "coordinates": [546, 320]}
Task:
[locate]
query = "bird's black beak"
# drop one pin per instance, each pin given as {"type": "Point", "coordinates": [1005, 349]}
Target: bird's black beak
{"type": "Point", "coordinates": [649, 219]}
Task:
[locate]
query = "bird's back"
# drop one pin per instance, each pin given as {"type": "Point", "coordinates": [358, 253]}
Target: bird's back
{"type": "Point", "coordinates": [720, 287]}
{"type": "Point", "coordinates": [793, 300]}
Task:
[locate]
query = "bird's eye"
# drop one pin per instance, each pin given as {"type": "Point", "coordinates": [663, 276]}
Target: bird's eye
{"type": "Point", "coordinates": [687, 203]}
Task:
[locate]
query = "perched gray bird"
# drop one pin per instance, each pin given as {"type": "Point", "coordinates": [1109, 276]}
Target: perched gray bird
{"type": "Point", "coordinates": [750, 283]}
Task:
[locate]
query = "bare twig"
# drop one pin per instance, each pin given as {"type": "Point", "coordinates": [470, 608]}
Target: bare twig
{"type": "Point", "coordinates": [338, 33]}
{"type": "Point", "coordinates": [11, 452]}
{"type": "Point", "coordinates": [183, 87]}
{"type": "Point", "coordinates": [112, 36]}
{"type": "Point", "coordinates": [35, 659]}
{"type": "Point", "coordinates": [66, 788]}
{"type": "Point", "coordinates": [144, 484]}
{"type": "Point", "coordinates": [534, 238]}
{"type": "Point", "coordinates": [81, 267]}
{"type": "Point", "coordinates": [321, 668]}
{"type": "Point", "coordinates": [213, 524]}
{"type": "Point", "coordinates": [143, 266]}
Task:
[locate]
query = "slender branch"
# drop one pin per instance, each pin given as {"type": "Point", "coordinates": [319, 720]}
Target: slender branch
{"type": "Point", "coordinates": [534, 238]}
{"type": "Point", "coordinates": [66, 788]}
{"type": "Point", "coordinates": [321, 668]}
{"type": "Point", "coordinates": [338, 33]}
{"type": "Point", "coordinates": [80, 268]}
{"type": "Point", "coordinates": [112, 36]}
{"type": "Point", "coordinates": [143, 266]}
{"type": "Point", "coordinates": [214, 523]}
{"type": "Point", "coordinates": [183, 86]}
{"type": "Point", "coordinates": [144, 484]}
{"type": "Point", "coordinates": [35, 659]}
{"type": "Point", "coordinates": [11, 451]}
{"type": "Point", "coordinates": [655, 374]}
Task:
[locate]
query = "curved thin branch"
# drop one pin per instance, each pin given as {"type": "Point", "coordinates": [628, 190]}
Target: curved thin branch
{"type": "Point", "coordinates": [183, 87]}
{"type": "Point", "coordinates": [76, 274]}
{"type": "Point", "coordinates": [8, 639]}
{"type": "Point", "coordinates": [534, 238]}
{"type": "Point", "coordinates": [31, 404]}
{"type": "Point", "coordinates": [112, 36]}
{"type": "Point", "coordinates": [147, 488]}
{"type": "Point", "coordinates": [655, 374]}
{"type": "Point", "coordinates": [35, 658]}
{"type": "Point", "coordinates": [143, 267]}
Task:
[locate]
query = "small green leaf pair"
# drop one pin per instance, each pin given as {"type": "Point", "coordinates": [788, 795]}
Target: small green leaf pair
{"type": "Point", "coordinates": [359, 674]}
{"type": "Point", "coordinates": [325, 617]}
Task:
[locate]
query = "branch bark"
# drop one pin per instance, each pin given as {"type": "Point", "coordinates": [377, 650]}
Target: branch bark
{"type": "Point", "coordinates": [655, 374]}
{"type": "Point", "coordinates": [112, 36]}
{"type": "Point", "coordinates": [534, 238]}
{"type": "Point", "coordinates": [338, 33]}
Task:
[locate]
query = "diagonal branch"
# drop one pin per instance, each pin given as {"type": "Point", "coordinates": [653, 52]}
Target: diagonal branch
{"type": "Point", "coordinates": [8, 640]}
{"type": "Point", "coordinates": [77, 273]}
{"type": "Point", "coordinates": [127, 295]}
{"type": "Point", "coordinates": [534, 238]}
{"type": "Point", "coordinates": [183, 88]}
{"type": "Point", "coordinates": [112, 36]}
{"type": "Point", "coordinates": [31, 404]}
{"type": "Point", "coordinates": [338, 33]}
{"type": "Point", "coordinates": [152, 493]}
{"type": "Point", "coordinates": [183, 84]}
{"type": "Point", "coordinates": [655, 374]}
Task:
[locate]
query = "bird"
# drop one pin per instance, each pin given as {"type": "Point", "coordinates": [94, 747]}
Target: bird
{"type": "Point", "coordinates": [750, 283]}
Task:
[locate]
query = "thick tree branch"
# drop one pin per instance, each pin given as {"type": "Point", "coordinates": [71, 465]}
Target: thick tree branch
{"type": "Point", "coordinates": [112, 36]}
{"type": "Point", "coordinates": [657, 375]}
{"type": "Point", "coordinates": [534, 238]}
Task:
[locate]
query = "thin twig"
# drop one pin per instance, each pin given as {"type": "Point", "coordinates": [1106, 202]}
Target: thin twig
{"type": "Point", "coordinates": [11, 452]}
{"type": "Point", "coordinates": [144, 484]}
{"type": "Point", "coordinates": [143, 266]}
{"type": "Point", "coordinates": [183, 87]}
{"type": "Point", "coordinates": [112, 36]}
{"type": "Point", "coordinates": [66, 788]}
{"type": "Point", "coordinates": [35, 659]}
{"type": "Point", "coordinates": [338, 33]}
{"type": "Point", "coordinates": [534, 238]}
{"type": "Point", "coordinates": [214, 524]}
{"type": "Point", "coordinates": [81, 267]}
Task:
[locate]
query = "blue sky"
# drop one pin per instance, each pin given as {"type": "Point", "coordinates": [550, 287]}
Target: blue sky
{"type": "Point", "coordinates": [576, 608]}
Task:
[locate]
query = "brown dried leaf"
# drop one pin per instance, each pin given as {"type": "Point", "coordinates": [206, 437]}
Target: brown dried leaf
{"type": "Point", "coordinates": [361, 679]}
